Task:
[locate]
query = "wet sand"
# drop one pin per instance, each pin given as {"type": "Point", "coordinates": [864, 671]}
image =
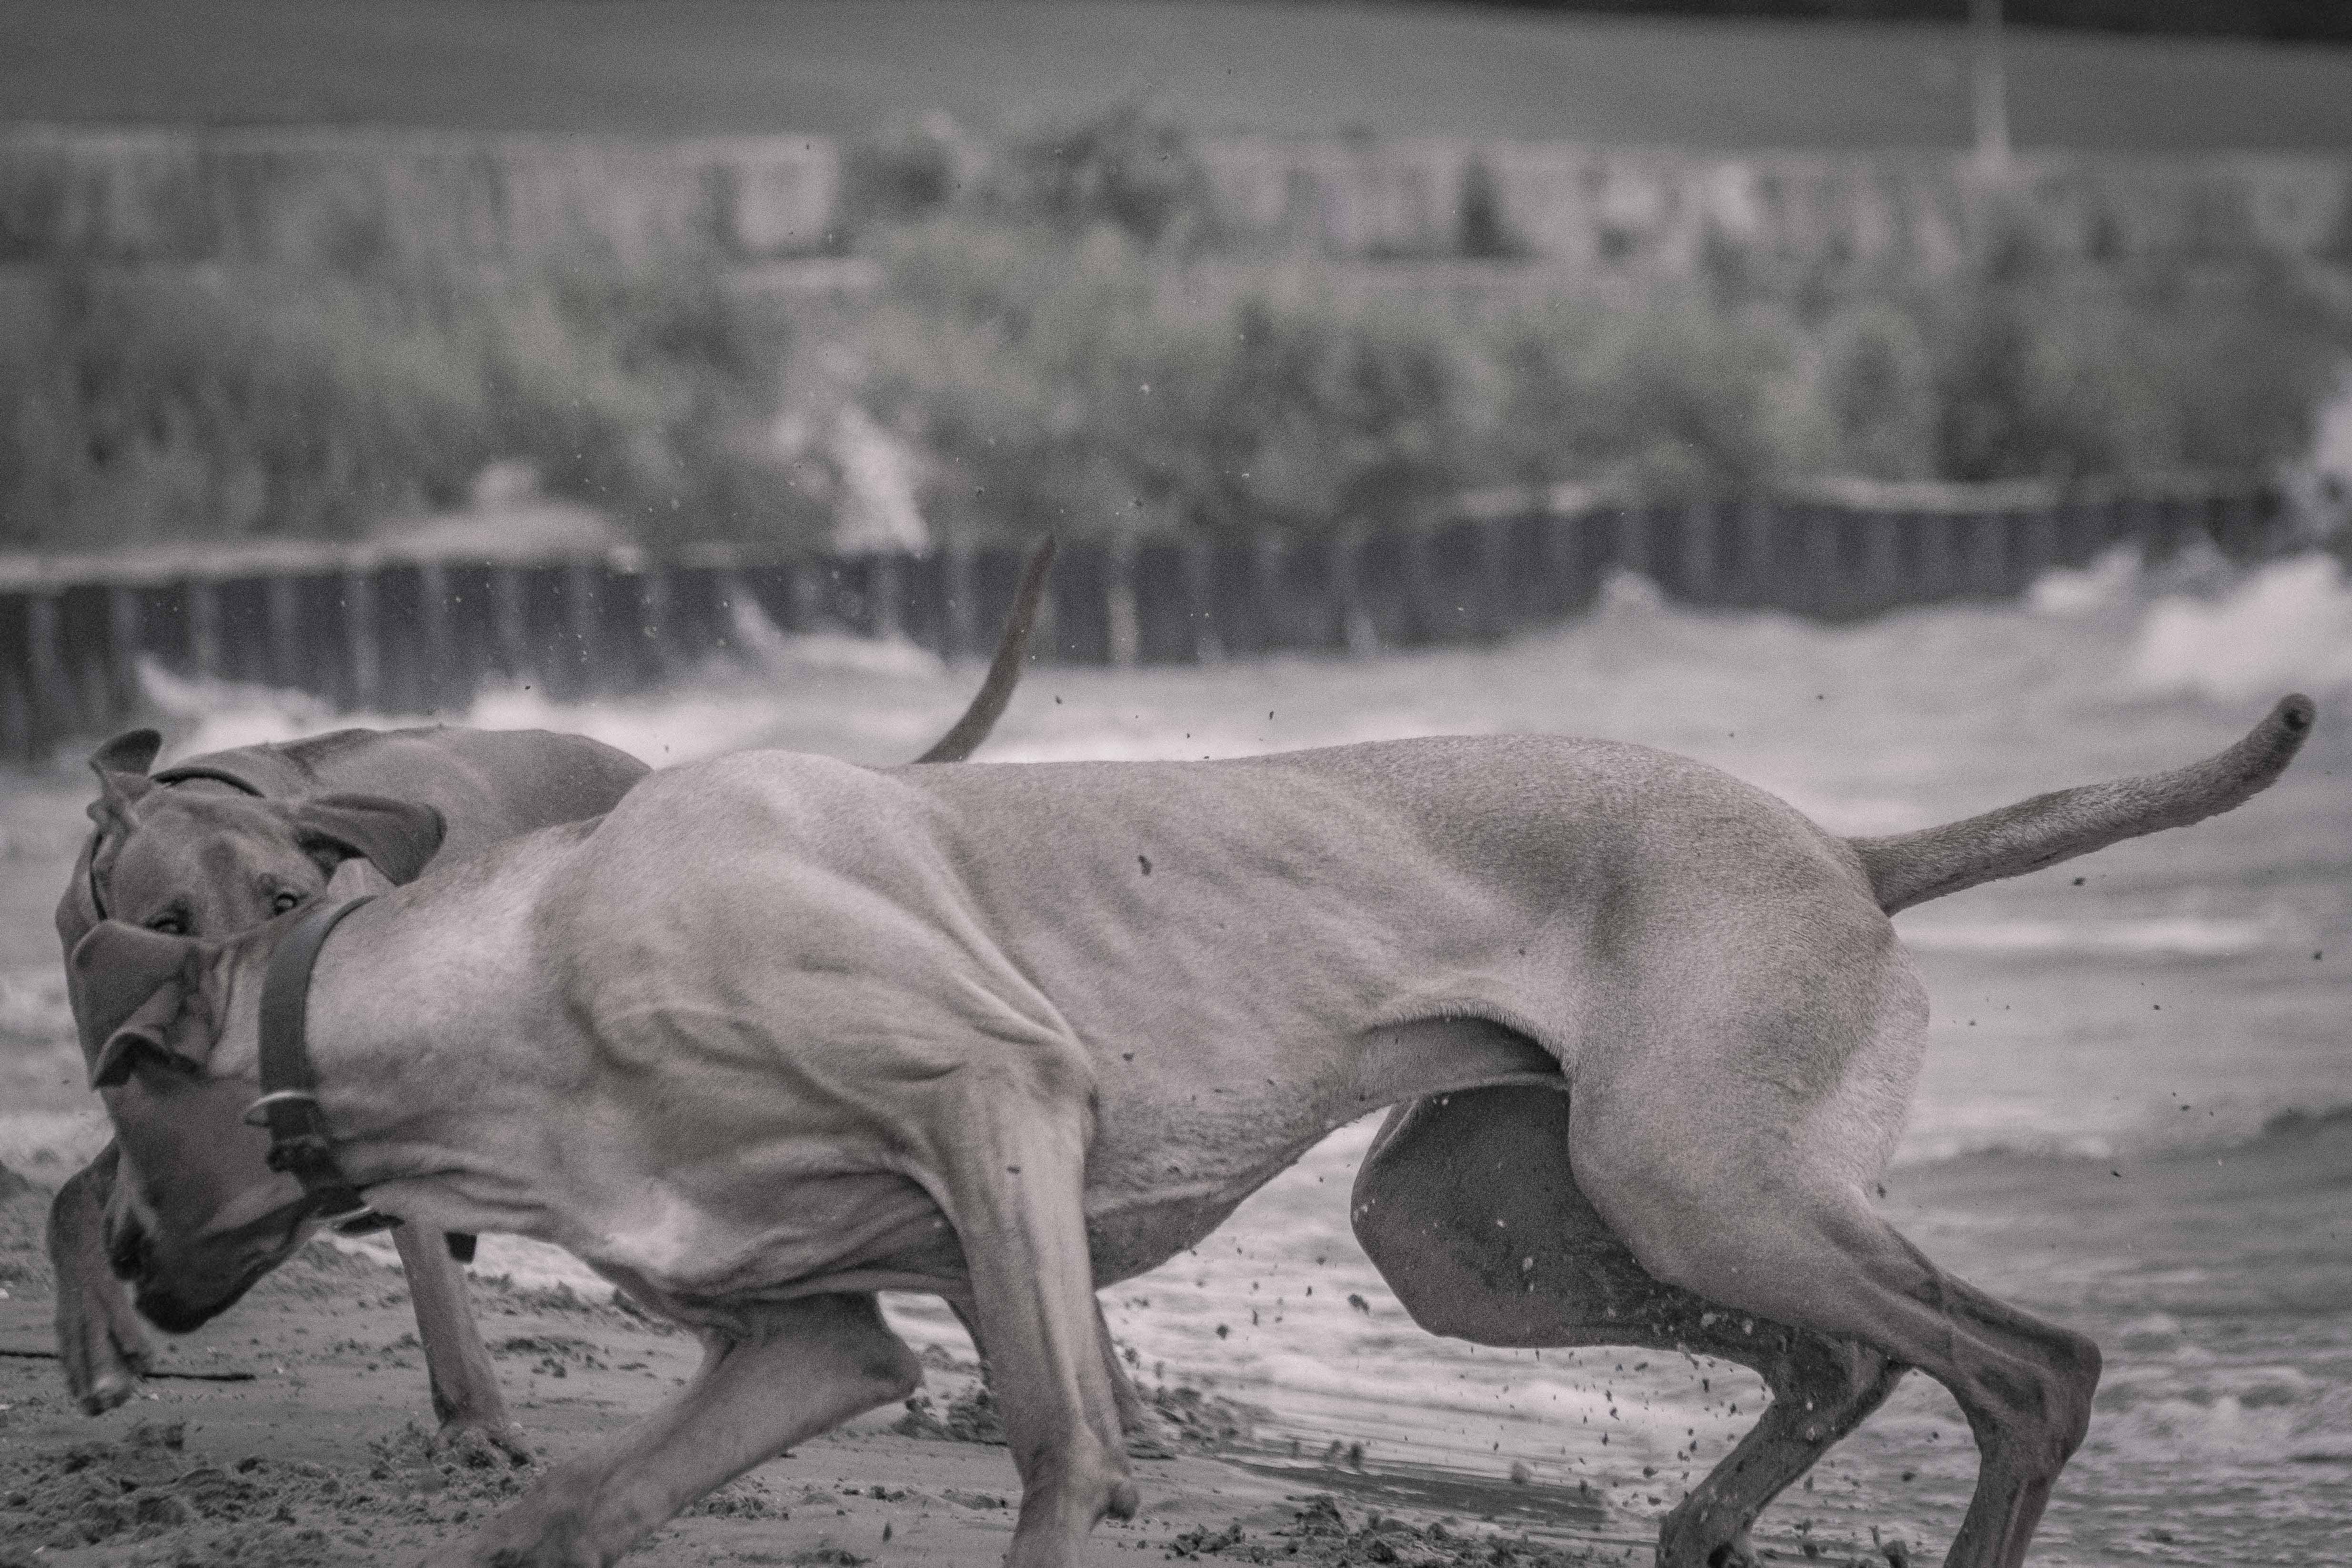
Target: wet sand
{"type": "Point", "coordinates": [290, 1432]}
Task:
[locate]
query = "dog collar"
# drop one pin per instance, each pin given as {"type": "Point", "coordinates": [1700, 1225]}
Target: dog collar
{"type": "Point", "coordinates": [289, 1106]}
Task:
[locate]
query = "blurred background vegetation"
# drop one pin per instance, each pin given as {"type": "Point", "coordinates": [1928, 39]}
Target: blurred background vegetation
{"type": "Point", "coordinates": [1058, 331]}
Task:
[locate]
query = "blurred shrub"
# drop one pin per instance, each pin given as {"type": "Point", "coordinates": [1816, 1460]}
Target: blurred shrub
{"type": "Point", "coordinates": [1877, 394]}
{"type": "Point", "coordinates": [1122, 166]}
{"type": "Point", "coordinates": [1679, 398]}
{"type": "Point", "coordinates": [1481, 232]}
{"type": "Point", "coordinates": [138, 405]}
{"type": "Point", "coordinates": [1071, 387]}
{"type": "Point", "coordinates": [1061, 358]}
{"type": "Point", "coordinates": [2068, 373]}
{"type": "Point", "coordinates": [1081, 383]}
{"type": "Point", "coordinates": [905, 171]}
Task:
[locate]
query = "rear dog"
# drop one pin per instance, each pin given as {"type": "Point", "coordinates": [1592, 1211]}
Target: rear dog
{"type": "Point", "coordinates": [1003, 1033]}
{"type": "Point", "coordinates": [218, 843]}
{"type": "Point", "coordinates": [1530, 1262]}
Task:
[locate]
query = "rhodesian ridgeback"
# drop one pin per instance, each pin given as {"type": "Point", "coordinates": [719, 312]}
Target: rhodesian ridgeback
{"type": "Point", "coordinates": [777, 1032]}
{"type": "Point", "coordinates": [220, 843]}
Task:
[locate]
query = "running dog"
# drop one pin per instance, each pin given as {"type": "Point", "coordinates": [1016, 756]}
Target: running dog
{"type": "Point", "coordinates": [777, 1032]}
{"type": "Point", "coordinates": [217, 843]}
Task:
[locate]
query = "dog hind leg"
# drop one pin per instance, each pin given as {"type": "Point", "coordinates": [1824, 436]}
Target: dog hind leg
{"type": "Point", "coordinates": [1468, 1206]}
{"type": "Point", "coordinates": [1822, 1388]}
{"type": "Point", "coordinates": [1745, 1198]}
{"type": "Point", "coordinates": [820, 1361]}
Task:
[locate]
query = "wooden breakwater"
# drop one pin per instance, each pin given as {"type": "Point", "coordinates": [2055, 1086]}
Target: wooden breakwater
{"type": "Point", "coordinates": [368, 630]}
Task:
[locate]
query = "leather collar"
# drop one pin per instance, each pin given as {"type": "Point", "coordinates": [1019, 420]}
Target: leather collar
{"type": "Point", "coordinates": [289, 1106]}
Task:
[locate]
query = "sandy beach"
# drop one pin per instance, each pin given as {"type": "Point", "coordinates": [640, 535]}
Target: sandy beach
{"type": "Point", "coordinates": [289, 1433]}
{"type": "Point", "coordinates": [2134, 1119]}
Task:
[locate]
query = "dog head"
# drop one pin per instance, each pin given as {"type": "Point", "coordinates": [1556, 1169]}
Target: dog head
{"type": "Point", "coordinates": [166, 998]}
{"type": "Point", "coordinates": [170, 1028]}
{"type": "Point", "coordinates": [210, 863]}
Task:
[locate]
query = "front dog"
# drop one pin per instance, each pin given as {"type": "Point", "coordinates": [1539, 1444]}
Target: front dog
{"type": "Point", "coordinates": [217, 843]}
{"type": "Point", "coordinates": [779, 1033]}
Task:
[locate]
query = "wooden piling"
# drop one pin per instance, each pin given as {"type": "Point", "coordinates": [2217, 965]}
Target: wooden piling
{"type": "Point", "coordinates": [1756, 527]}
{"type": "Point", "coordinates": [1880, 576]}
{"type": "Point", "coordinates": [53, 704]}
{"type": "Point", "coordinates": [2038, 547]}
{"type": "Point", "coordinates": [1208, 642]}
{"type": "Point", "coordinates": [1629, 541]}
{"type": "Point", "coordinates": [202, 596]}
{"type": "Point", "coordinates": [962, 640]}
{"type": "Point", "coordinates": [656, 651]}
{"type": "Point", "coordinates": [1421, 614]}
{"type": "Point", "coordinates": [886, 592]}
{"type": "Point", "coordinates": [434, 666]}
{"type": "Point", "coordinates": [359, 638]}
{"type": "Point", "coordinates": [1120, 609]}
{"type": "Point", "coordinates": [1817, 586]}
{"type": "Point", "coordinates": [1490, 578]}
{"type": "Point", "coordinates": [1696, 527]}
{"type": "Point", "coordinates": [2236, 524]}
{"type": "Point", "coordinates": [1077, 590]}
{"type": "Point", "coordinates": [83, 643]}
{"type": "Point", "coordinates": [584, 625]}
{"type": "Point", "coordinates": [1269, 606]}
{"type": "Point", "coordinates": [282, 615]}
{"type": "Point", "coordinates": [125, 635]}
{"type": "Point", "coordinates": [17, 741]}
{"type": "Point", "coordinates": [510, 636]}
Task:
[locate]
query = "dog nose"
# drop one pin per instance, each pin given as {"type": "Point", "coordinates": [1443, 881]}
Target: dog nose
{"type": "Point", "coordinates": [171, 1314]}
{"type": "Point", "coordinates": [126, 1251]}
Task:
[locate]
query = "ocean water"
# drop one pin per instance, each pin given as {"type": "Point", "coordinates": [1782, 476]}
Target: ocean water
{"type": "Point", "coordinates": [2133, 1116]}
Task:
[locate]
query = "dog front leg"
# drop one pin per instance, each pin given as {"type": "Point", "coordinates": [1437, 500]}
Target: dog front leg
{"type": "Point", "coordinates": [1016, 1176]}
{"type": "Point", "coordinates": [100, 1343]}
{"type": "Point", "coordinates": [823, 1359]}
{"type": "Point", "coordinates": [465, 1385]}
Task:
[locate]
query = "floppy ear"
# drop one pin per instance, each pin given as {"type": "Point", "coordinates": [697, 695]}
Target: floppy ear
{"type": "Point", "coordinates": [135, 987]}
{"type": "Point", "coordinates": [398, 836]}
{"type": "Point", "coordinates": [131, 752]}
{"type": "Point", "coordinates": [121, 767]}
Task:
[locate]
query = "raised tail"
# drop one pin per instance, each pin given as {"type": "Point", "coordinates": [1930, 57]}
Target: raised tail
{"type": "Point", "coordinates": [1003, 670]}
{"type": "Point", "coordinates": [1908, 869]}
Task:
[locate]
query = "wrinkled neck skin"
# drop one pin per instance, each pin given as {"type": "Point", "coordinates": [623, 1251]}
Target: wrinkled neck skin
{"type": "Point", "coordinates": [443, 1060]}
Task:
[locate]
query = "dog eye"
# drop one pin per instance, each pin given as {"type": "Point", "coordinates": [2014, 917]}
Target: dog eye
{"type": "Point", "coordinates": [170, 925]}
{"type": "Point", "coordinates": [284, 902]}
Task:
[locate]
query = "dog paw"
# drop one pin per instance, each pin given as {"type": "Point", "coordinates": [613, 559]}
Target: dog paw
{"type": "Point", "coordinates": [482, 1446]}
{"type": "Point", "coordinates": [1679, 1550]}
{"type": "Point", "coordinates": [104, 1375]}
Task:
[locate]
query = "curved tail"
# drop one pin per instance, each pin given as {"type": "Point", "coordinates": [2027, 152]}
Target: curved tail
{"type": "Point", "coordinates": [1908, 869]}
{"type": "Point", "coordinates": [1003, 670]}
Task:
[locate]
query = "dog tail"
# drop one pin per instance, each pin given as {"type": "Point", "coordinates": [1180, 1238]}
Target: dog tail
{"type": "Point", "coordinates": [1003, 670]}
{"type": "Point", "coordinates": [1909, 869]}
